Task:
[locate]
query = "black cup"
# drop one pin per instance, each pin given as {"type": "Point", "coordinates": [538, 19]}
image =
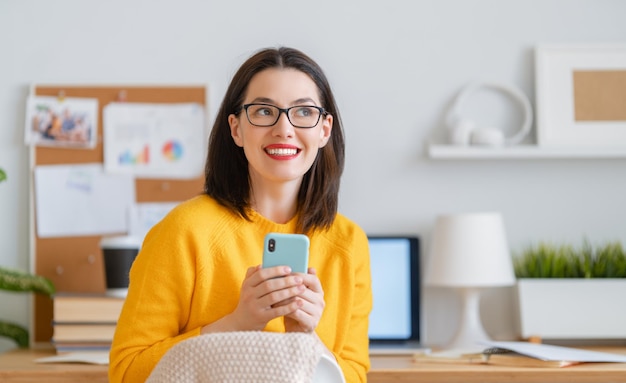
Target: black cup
{"type": "Point", "coordinates": [118, 255]}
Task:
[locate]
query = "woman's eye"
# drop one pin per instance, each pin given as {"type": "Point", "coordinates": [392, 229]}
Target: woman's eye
{"type": "Point", "coordinates": [263, 111]}
{"type": "Point", "coordinates": [304, 111]}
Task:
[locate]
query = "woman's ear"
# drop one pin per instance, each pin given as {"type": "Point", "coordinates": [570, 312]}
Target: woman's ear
{"type": "Point", "coordinates": [233, 121]}
{"type": "Point", "coordinates": [327, 127]}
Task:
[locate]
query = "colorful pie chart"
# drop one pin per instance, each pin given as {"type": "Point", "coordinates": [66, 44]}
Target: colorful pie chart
{"type": "Point", "coordinates": [172, 150]}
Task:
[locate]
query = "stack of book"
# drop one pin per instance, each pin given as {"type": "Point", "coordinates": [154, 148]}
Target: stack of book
{"type": "Point", "coordinates": [84, 322]}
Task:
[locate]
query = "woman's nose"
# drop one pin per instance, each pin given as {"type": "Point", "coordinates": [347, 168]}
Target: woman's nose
{"type": "Point", "coordinates": [283, 127]}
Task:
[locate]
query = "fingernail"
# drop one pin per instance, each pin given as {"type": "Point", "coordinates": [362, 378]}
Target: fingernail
{"type": "Point", "coordinates": [297, 280]}
{"type": "Point", "coordinates": [287, 269]}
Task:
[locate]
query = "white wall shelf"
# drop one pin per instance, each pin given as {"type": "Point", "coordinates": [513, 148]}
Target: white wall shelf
{"type": "Point", "coordinates": [522, 152]}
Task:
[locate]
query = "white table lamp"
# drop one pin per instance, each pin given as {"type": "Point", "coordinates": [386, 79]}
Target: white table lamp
{"type": "Point", "coordinates": [470, 252]}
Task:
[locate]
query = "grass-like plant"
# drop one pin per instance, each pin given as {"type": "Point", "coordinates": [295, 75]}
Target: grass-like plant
{"type": "Point", "coordinates": [565, 261]}
{"type": "Point", "coordinates": [13, 280]}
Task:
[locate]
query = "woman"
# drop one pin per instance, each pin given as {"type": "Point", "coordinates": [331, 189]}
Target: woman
{"type": "Point", "coordinates": [275, 156]}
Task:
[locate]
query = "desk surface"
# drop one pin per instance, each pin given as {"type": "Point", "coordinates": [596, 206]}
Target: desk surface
{"type": "Point", "coordinates": [18, 366]}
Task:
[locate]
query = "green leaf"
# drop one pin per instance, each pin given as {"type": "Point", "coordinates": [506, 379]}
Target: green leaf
{"type": "Point", "coordinates": [13, 280]}
{"type": "Point", "coordinates": [16, 332]}
{"type": "Point", "coordinates": [3, 175]}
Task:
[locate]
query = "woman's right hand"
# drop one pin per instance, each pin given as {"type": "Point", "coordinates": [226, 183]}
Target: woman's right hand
{"type": "Point", "coordinates": [266, 293]}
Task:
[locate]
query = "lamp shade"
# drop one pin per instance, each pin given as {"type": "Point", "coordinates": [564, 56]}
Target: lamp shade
{"type": "Point", "coordinates": [470, 250]}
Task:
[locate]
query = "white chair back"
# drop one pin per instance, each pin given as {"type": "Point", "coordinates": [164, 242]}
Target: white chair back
{"type": "Point", "coordinates": [248, 356]}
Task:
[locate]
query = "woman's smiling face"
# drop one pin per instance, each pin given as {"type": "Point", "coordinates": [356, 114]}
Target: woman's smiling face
{"type": "Point", "coordinates": [281, 152]}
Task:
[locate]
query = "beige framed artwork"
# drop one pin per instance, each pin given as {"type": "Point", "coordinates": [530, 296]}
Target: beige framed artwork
{"type": "Point", "coordinates": [581, 95]}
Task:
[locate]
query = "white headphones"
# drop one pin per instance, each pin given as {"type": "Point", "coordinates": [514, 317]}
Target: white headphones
{"type": "Point", "coordinates": [464, 132]}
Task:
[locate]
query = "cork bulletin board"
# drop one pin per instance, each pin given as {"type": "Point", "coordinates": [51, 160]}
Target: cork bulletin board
{"type": "Point", "coordinates": [74, 264]}
{"type": "Point", "coordinates": [600, 95]}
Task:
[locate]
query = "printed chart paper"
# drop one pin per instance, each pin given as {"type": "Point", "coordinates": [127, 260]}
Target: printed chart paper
{"type": "Point", "coordinates": [154, 140]}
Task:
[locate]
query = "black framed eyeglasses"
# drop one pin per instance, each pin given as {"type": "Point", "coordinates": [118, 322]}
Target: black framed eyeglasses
{"type": "Point", "coordinates": [300, 116]}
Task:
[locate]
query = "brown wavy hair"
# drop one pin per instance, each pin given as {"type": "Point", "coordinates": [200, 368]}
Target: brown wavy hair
{"type": "Point", "coordinates": [226, 170]}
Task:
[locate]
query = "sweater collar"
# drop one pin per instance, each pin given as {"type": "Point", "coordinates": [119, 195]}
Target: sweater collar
{"type": "Point", "coordinates": [271, 226]}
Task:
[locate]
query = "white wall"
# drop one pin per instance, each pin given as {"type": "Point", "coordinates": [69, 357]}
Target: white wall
{"type": "Point", "coordinates": [394, 66]}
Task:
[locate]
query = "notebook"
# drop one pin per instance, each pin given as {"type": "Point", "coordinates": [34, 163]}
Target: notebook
{"type": "Point", "coordinates": [394, 326]}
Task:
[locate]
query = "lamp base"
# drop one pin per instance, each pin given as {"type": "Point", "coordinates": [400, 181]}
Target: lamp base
{"type": "Point", "coordinates": [471, 331]}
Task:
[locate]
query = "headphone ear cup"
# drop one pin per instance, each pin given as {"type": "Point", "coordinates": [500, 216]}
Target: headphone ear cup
{"type": "Point", "coordinates": [464, 132]}
{"type": "Point", "coordinates": [460, 132]}
{"type": "Point", "coordinates": [487, 137]}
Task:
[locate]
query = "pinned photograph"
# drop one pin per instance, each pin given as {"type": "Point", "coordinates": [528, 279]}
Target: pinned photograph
{"type": "Point", "coordinates": [61, 121]}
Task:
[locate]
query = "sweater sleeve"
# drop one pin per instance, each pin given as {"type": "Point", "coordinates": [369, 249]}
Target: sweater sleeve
{"type": "Point", "coordinates": [354, 357]}
{"type": "Point", "coordinates": [157, 306]}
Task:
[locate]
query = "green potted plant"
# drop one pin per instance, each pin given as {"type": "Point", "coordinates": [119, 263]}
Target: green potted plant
{"type": "Point", "coordinates": [12, 280]}
{"type": "Point", "coordinates": [568, 292]}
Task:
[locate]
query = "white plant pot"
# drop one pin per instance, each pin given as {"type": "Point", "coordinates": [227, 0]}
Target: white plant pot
{"type": "Point", "coordinates": [567, 308]}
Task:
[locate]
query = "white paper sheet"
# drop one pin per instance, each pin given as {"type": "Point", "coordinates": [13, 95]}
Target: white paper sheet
{"type": "Point", "coordinates": [550, 352]}
{"type": "Point", "coordinates": [145, 215]}
{"type": "Point", "coordinates": [76, 200]}
{"type": "Point", "coordinates": [154, 140]}
{"type": "Point", "coordinates": [90, 357]}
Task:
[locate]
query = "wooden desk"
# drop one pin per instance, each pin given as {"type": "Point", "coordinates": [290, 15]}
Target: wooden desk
{"type": "Point", "coordinates": [18, 366]}
{"type": "Point", "coordinates": [402, 369]}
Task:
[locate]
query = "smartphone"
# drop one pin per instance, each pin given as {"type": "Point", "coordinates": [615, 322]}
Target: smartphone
{"type": "Point", "coordinates": [286, 250]}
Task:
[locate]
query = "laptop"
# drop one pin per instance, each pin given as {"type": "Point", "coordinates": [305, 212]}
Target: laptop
{"type": "Point", "coordinates": [394, 323]}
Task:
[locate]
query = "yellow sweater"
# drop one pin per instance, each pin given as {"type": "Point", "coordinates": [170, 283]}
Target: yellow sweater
{"type": "Point", "coordinates": [189, 272]}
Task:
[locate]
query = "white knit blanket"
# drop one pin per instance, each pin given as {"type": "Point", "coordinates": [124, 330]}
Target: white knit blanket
{"type": "Point", "coordinates": [249, 356]}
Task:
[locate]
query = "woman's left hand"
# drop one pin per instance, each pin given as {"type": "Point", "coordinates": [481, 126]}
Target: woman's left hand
{"type": "Point", "coordinates": [311, 305]}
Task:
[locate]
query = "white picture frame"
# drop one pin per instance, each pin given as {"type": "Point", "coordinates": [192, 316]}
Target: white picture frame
{"type": "Point", "coordinates": [555, 66]}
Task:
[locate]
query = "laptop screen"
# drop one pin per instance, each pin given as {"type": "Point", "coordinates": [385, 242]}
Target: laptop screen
{"type": "Point", "coordinates": [395, 287]}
